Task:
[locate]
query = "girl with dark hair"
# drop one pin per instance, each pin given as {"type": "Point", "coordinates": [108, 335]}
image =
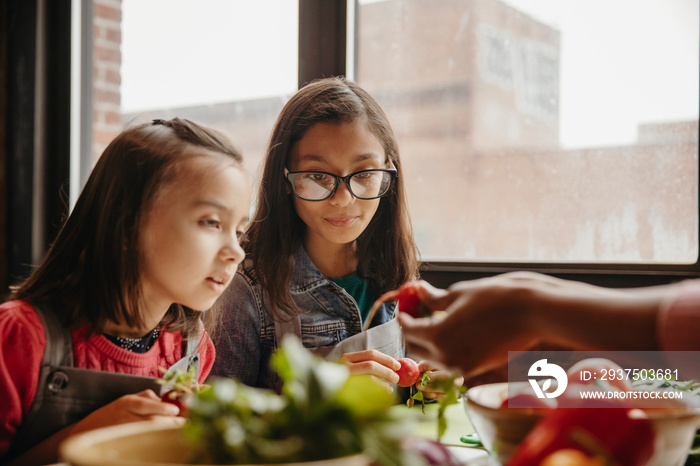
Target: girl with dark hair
{"type": "Point", "coordinates": [152, 242]}
{"type": "Point", "coordinates": [330, 234]}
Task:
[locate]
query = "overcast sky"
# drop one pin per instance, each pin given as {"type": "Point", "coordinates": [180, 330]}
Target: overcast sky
{"type": "Point", "coordinates": [636, 60]}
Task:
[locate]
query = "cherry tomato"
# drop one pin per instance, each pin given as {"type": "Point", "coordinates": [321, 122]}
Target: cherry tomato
{"type": "Point", "coordinates": [408, 372]}
{"type": "Point", "coordinates": [173, 397]}
{"type": "Point", "coordinates": [608, 432]}
{"type": "Point", "coordinates": [409, 302]}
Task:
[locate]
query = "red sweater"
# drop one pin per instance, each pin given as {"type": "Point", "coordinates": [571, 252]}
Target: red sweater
{"type": "Point", "coordinates": [22, 344]}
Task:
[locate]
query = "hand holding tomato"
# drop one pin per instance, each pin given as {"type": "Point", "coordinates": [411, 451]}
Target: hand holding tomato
{"type": "Point", "coordinates": [374, 363]}
{"type": "Point", "coordinates": [409, 301]}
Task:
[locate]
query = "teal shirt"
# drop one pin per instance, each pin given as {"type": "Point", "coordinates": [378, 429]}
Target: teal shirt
{"type": "Point", "coordinates": [358, 288]}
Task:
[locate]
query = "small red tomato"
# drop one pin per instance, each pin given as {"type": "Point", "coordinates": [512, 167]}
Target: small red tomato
{"type": "Point", "coordinates": [409, 302]}
{"type": "Point", "coordinates": [173, 397]}
{"type": "Point", "coordinates": [408, 372]}
{"type": "Point", "coordinates": [625, 440]}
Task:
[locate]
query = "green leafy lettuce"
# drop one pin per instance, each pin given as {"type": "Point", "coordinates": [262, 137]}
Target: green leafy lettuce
{"type": "Point", "coordinates": [321, 413]}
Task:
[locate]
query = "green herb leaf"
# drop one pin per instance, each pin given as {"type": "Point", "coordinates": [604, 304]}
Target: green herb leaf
{"type": "Point", "coordinates": [321, 413]}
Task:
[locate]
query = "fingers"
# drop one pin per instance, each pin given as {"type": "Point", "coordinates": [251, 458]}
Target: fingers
{"type": "Point", "coordinates": [387, 386]}
{"type": "Point", "coordinates": [372, 362]}
{"type": "Point", "coordinates": [425, 366]}
{"type": "Point", "coordinates": [419, 351]}
{"type": "Point", "coordinates": [375, 369]}
{"type": "Point", "coordinates": [417, 331]}
{"type": "Point", "coordinates": [147, 403]}
{"type": "Point", "coordinates": [128, 408]}
{"type": "Point", "coordinates": [436, 299]}
{"type": "Point", "coordinates": [148, 394]}
{"type": "Point", "coordinates": [371, 355]}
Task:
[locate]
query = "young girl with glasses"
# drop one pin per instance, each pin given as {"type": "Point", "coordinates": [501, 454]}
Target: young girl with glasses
{"type": "Point", "coordinates": [152, 242]}
{"type": "Point", "coordinates": [330, 234]}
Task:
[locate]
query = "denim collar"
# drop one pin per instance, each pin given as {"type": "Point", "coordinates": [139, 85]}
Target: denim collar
{"type": "Point", "coordinates": [305, 275]}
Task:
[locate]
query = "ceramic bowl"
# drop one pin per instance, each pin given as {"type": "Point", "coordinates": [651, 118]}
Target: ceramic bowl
{"type": "Point", "coordinates": [502, 429]}
{"type": "Point", "coordinates": [150, 443]}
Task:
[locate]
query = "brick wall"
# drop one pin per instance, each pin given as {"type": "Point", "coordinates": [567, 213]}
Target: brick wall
{"type": "Point", "coordinates": [107, 36]}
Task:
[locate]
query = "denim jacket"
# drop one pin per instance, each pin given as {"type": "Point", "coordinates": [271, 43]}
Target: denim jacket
{"type": "Point", "coordinates": [245, 339]}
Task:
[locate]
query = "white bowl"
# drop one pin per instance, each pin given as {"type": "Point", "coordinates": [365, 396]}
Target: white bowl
{"type": "Point", "coordinates": [150, 443]}
{"type": "Point", "coordinates": [502, 429]}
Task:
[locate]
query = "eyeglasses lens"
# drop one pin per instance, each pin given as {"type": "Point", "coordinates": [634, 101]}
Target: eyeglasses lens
{"type": "Point", "coordinates": [318, 186]}
{"type": "Point", "coordinates": [369, 184]}
{"type": "Point", "coordinates": [313, 186]}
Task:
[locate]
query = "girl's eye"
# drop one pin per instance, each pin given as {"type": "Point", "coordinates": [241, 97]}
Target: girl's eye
{"type": "Point", "coordinates": [209, 222]}
{"type": "Point", "coordinates": [318, 177]}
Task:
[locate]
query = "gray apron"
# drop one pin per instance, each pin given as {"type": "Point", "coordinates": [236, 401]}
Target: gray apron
{"type": "Point", "coordinates": [385, 338]}
{"type": "Point", "coordinates": [66, 394]}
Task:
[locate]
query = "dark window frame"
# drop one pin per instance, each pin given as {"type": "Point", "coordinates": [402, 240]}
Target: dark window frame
{"type": "Point", "coordinates": [36, 123]}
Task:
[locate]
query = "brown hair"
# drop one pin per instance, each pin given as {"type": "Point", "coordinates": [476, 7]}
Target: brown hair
{"type": "Point", "coordinates": [387, 253]}
{"type": "Point", "coordinates": [91, 272]}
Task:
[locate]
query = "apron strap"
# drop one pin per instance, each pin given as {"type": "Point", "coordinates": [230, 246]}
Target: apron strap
{"type": "Point", "coordinates": [59, 348]}
{"type": "Point", "coordinates": [189, 359]}
{"type": "Point", "coordinates": [192, 344]}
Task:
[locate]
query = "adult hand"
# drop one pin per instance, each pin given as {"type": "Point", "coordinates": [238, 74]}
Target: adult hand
{"type": "Point", "coordinates": [484, 320]}
{"type": "Point", "coordinates": [374, 363]}
{"type": "Point", "coordinates": [435, 388]}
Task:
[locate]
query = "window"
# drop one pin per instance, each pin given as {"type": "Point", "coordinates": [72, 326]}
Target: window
{"type": "Point", "coordinates": [542, 131]}
{"type": "Point", "coordinates": [228, 64]}
{"type": "Point", "coordinates": [550, 132]}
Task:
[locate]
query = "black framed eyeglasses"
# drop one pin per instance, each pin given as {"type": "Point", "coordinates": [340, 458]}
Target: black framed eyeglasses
{"type": "Point", "coordinates": [319, 186]}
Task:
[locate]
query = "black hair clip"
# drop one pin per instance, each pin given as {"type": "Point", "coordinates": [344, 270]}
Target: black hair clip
{"type": "Point", "coordinates": [158, 121]}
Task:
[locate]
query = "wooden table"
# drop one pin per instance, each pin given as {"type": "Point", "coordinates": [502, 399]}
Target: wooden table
{"type": "Point", "coordinates": [458, 424]}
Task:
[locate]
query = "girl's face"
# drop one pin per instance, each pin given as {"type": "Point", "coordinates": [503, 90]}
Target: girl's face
{"type": "Point", "coordinates": [340, 149]}
{"type": "Point", "coordinates": [190, 238]}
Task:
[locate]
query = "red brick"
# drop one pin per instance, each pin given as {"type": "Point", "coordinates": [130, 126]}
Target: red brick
{"type": "Point", "coordinates": [106, 96]}
{"type": "Point", "coordinates": [103, 137]}
{"type": "Point", "coordinates": [107, 12]}
{"type": "Point", "coordinates": [113, 35]}
{"type": "Point", "coordinates": [102, 53]}
{"type": "Point", "coordinates": [113, 118]}
{"type": "Point", "coordinates": [112, 76]}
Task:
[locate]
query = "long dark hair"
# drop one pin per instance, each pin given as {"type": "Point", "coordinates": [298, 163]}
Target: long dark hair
{"type": "Point", "coordinates": [386, 250]}
{"type": "Point", "coordinates": [91, 272]}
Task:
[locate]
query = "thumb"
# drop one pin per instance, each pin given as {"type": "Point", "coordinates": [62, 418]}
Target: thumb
{"type": "Point", "coordinates": [436, 299]}
{"type": "Point", "coordinates": [415, 329]}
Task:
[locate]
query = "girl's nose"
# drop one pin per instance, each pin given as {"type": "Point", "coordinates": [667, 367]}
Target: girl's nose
{"type": "Point", "coordinates": [342, 196]}
{"type": "Point", "coordinates": [233, 250]}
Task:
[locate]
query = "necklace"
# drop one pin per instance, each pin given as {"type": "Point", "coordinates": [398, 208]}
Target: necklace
{"type": "Point", "coordinates": [136, 345]}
